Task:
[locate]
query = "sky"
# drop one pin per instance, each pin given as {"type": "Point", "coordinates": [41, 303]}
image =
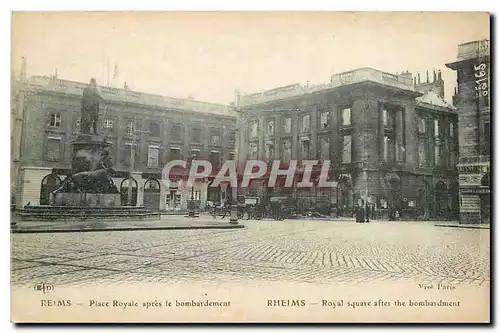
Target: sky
{"type": "Point", "coordinates": [209, 56]}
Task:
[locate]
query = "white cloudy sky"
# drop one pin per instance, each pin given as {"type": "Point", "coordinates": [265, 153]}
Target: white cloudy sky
{"type": "Point", "coordinates": [209, 56]}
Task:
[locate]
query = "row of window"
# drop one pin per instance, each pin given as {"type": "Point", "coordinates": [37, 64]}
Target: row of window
{"type": "Point", "coordinates": [176, 131]}
{"type": "Point", "coordinates": [54, 154]}
{"type": "Point", "coordinates": [390, 149]}
{"type": "Point", "coordinates": [441, 157]}
{"type": "Point", "coordinates": [390, 152]}
{"type": "Point", "coordinates": [175, 154]}
{"type": "Point", "coordinates": [305, 123]}
{"type": "Point", "coordinates": [285, 150]}
{"type": "Point", "coordinates": [438, 131]}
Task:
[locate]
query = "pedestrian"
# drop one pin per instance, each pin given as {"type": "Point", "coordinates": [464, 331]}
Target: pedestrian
{"type": "Point", "coordinates": [391, 213]}
{"type": "Point", "coordinates": [367, 210]}
{"type": "Point", "coordinates": [362, 212]}
{"type": "Point", "coordinates": [223, 209]}
{"type": "Point", "coordinates": [356, 209]}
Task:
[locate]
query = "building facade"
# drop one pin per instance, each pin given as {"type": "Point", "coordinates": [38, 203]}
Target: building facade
{"type": "Point", "coordinates": [145, 131]}
{"type": "Point", "coordinates": [389, 144]}
{"type": "Point", "coordinates": [473, 102]}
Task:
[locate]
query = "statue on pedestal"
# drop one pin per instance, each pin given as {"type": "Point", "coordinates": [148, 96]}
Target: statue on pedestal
{"type": "Point", "coordinates": [90, 108]}
{"type": "Point", "coordinates": [92, 166]}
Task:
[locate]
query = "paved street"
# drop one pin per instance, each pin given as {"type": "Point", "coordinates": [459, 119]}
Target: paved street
{"type": "Point", "coordinates": [292, 250]}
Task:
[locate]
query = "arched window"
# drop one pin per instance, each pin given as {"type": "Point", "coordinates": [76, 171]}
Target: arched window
{"type": "Point", "coordinates": [49, 184]}
{"type": "Point", "coordinates": [152, 185]}
{"type": "Point", "coordinates": [441, 187]}
{"type": "Point", "coordinates": [443, 204]}
{"type": "Point", "coordinates": [152, 194]}
{"type": "Point", "coordinates": [125, 194]}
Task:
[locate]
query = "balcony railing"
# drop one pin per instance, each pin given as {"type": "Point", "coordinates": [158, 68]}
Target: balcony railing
{"type": "Point", "coordinates": [355, 76]}
{"type": "Point", "coordinates": [472, 50]}
{"type": "Point", "coordinates": [475, 159]}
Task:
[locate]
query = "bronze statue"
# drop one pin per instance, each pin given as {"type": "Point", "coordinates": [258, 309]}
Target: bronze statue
{"type": "Point", "coordinates": [92, 168]}
{"type": "Point", "coordinates": [96, 180]}
{"type": "Point", "coordinates": [90, 108]}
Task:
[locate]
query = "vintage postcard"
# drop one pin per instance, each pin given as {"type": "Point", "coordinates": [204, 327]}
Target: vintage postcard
{"type": "Point", "coordinates": [271, 167]}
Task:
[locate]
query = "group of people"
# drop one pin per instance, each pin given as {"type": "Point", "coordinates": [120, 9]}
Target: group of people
{"type": "Point", "coordinates": [363, 213]}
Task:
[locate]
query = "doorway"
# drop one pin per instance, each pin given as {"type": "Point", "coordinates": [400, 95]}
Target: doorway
{"type": "Point", "coordinates": [50, 183]}
{"type": "Point", "coordinates": [124, 192]}
{"type": "Point", "coordinates": [152, 194]}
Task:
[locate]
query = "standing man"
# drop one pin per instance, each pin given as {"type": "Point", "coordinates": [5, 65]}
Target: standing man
{"type": "Point", "coordinates": [362, 211]}
{"type": "Point", "coordinates": [367, 212]}
{"type": "Point", "coordinates": [358, 214]}
{"type": "Point", "coordinates": [90, 108]}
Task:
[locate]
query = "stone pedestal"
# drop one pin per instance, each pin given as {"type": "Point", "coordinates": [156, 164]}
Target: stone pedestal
{"type": "Point", "coordinates": [90, 184]}
{"type": "Point", "coordinates": [87, 200]}
{"type": "Point", "coordinates": [470, 209]}
{"type": "Point", "coordinates": [87, 149]}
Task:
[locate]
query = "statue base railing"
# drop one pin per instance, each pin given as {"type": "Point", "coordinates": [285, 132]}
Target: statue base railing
{"type": "Point", "coordinates": [87, 199]}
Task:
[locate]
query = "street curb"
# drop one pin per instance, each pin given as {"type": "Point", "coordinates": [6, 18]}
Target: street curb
{"type": "Point", "coordinates": [28, 231]}
{"type": "Point", "coordinates": [461, 226]}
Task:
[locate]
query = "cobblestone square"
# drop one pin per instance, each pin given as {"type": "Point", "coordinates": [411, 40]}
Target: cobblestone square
{"type": "Point", "coordinates": [290, 250]}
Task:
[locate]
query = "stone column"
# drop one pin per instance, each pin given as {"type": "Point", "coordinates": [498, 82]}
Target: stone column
{"type": "Point", "coordinates": [206, 135]}
{"type": "Point", "coordinates": [163, 193]}
{"type": "Point", "coordinates": [313, 123]}
{"type": "Point", "coordinates": [186, 149]}
{"type": "Point", "coordinates": [295, 136]}
{"type": "Point", "coordinates": [262, 135]}
{"type": "Point", "coordinates": [381, 132]}
{"type": "Point", "coordinates": [399, 136]}
{"type": "Point", "coordinates": [242, 141]}
{"type": "Point", "coordinates": [411, 136]}
{"type": "Point", "coordinates": [140, 187]}
{"type": "Point", "coordinates": [334, 137]}
{"type": "Point", "coordinates": [361, 185]}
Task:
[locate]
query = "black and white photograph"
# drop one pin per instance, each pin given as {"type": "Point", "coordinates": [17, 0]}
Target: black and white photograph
{"type": "Point", "coordinates": [250, 167]}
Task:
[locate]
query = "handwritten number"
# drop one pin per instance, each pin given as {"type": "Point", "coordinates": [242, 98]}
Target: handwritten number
{"type": "Point", "coordinates": [479, 67]}
{"type": "Point", "coordinates": [480, 74]}
{"type": "Point", "coordinates": [482, 93]}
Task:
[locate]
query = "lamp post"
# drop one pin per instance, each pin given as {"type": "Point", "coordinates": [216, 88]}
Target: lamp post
{"type": "Point", "coordinates": [133, 134]}
{"type": "Point", "coordinates": [130, 171]}
{"type": "Point", "coordinates": [233, 219]}
{"type": "Point", "coordinates": [191, 212]}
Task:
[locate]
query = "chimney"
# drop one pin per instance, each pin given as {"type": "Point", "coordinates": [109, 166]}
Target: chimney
{"type": "Point", "coordinates": [439, 75]}
{"type": "Point", "coordinates": [414, 80]}
{"type": "Point", "coordinates": [22, 76]}
{"type": "Point", "coordinates": [427, 81]}
{"type": "Point", "coordinates": [237, 97]}
{"type": "Point", "coordinates": [434, 77]}
{"type": "Point", "coordinates": [418, 78]}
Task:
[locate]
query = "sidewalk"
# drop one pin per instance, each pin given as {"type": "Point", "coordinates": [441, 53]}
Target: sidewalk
{"type": "Point", "coordinates": [459, 225]}
{"type": "Point", "coordinates": [169, 223]}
